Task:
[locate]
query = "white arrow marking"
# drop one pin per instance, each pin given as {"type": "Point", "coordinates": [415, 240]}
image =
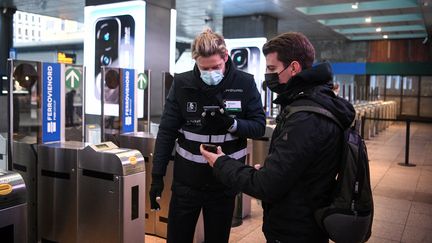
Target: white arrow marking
{"type": "Point", "coordinates": [72, 76]}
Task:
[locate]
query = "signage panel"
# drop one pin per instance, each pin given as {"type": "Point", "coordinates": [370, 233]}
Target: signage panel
{"type": "Point", "coordinates": [128, 97]}
{"type": "Point", "coordinates": [51, 102]}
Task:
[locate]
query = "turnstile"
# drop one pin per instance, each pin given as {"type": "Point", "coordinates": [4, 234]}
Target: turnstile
{"type": "Point", "coordinates": [13, 208]}
{"type": "Point", "coordinates": [58, 191]}
{"type": "Point", "coordinates": [156, 221]}
{"type": "Point", "coordinates": [111, 194]}
{"type": "Point", "coordinates": [24, 162]}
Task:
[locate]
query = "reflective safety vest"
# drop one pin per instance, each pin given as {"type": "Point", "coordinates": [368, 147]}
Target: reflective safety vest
{"type": "Point", "coordinates": [213, 139]}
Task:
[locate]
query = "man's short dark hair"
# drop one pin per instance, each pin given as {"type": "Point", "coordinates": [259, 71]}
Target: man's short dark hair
{"type": "Point", "coordinates": [291, 46]}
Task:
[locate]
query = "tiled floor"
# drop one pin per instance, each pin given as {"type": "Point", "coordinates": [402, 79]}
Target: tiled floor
{"type": "Point", "coordinates": [403, 195]}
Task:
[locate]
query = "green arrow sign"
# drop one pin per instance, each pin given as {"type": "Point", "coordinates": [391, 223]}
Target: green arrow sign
{"type": "Point", "coordinates": [73, 78]}
{"type": "Point", "coordinates": [142, 81]}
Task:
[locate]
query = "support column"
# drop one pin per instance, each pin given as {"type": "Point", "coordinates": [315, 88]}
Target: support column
{"type": "Point", "coordinates": [6, 37]}
{"type": "Point", "coordinates": [257, 25]}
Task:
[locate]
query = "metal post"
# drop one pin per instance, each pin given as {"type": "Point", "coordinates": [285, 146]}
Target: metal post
{"type": "Point", "coordinates": [102, 95]}
{"type": "Point", "coordinates": [10, 112]}
{"type": "Point", "coordinates": [83, 110]}
{"type": "Point", "coordinates": [363, 122]}
{"type": "Point", "coordinates": [407, 145]}
{"type": "Point", "coordinates": [148, 100]}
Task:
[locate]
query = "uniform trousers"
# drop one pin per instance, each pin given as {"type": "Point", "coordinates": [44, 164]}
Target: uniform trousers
{"type": "Point", "coordinates": [185, 206]}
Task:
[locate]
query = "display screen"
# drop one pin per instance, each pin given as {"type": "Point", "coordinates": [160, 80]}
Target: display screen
{"type": "Point", "coordinates": [115, 38]}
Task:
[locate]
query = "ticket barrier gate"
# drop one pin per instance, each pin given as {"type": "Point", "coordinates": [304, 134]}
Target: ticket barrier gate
{"type": "Point", "coordinates": [58, 191]}
{"type": "Point", "coordinates": [25, 163]}
{"type": "Point", "coordinates": [13, 208]}
{"type": "Point", "coordinates": [156, 221]}
{"type": "Point", "coordinates": [111, 194]}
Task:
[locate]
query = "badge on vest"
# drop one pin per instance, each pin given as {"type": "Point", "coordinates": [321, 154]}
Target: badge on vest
{"type": "Point", "coordinates": [233, 105]}
{"type": "Point", "coordinates": [191, 107]}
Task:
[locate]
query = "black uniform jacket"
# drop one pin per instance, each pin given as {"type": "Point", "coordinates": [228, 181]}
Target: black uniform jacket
{"type": "Point", "coordinates": [299, 171]}
{"type": "Point", "coordinates": [181, 124]}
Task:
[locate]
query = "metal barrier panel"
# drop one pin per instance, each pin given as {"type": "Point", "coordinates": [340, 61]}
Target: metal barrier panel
{"type": "Point", "coordinates": [58, 191]}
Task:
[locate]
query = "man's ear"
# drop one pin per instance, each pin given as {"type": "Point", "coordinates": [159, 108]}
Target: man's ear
{"type": "Point", "coordinates": [295, 67]}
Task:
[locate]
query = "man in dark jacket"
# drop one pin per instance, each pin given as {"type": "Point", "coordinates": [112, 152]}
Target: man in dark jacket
{"type": "Point", "coordinates": [215, 104]}
{"type": "Point", "coordinates": [299, 172]}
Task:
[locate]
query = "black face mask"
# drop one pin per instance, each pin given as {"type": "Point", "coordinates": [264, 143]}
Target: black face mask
{"type": "Point", "coordinates": [272, 82]}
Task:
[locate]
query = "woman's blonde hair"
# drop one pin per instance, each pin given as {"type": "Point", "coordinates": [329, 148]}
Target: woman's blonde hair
{"type": "Point", "coordinates": [208, 43]}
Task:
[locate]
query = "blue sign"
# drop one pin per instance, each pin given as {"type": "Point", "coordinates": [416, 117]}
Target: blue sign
{"type": "Point", "coordinates": [51, 103]}
{"type": "Point", "coordinates": [349, 68]}
{"type": "Point", "coordinates": [128, 121]}
{"type": "Point", "coordinates": [12, 53]}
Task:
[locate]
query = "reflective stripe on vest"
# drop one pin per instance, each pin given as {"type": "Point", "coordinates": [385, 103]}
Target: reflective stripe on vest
{"type": "Point", "coordinates": [200, 159]}
{"type": "Point", "coordinates": [206, 138]}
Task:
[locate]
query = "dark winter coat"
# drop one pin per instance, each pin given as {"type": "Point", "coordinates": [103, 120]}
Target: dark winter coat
{"type": "Point", "coordinates": [299, 172]}
{"type": "Point", "coordinates": [181, 124]}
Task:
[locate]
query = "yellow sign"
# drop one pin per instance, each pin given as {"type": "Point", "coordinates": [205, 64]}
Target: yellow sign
{"type": "Point", "coordinates": [65, 58]}
{"type": "Point", "coordinates": [5, 189]}
{"type": "Point", "coordinates": [133, 160]}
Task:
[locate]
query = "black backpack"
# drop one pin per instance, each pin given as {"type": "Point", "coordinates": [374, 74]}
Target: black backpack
{"type": "Point", "coordinates": [349, 216]}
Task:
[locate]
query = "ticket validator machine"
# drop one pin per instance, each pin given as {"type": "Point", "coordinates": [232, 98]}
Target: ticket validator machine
{"type": "Point", "coordinates": [110, 194]}
{"type": "Point", "coordinates": [144, 141]}
{"type": "Point", "coordinates": [119, 124]}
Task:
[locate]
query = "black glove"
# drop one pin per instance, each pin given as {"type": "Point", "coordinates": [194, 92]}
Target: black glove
{"type": "Point", "coordinates": [156, 189]}
{"type": "Point", "coordinates": [216, 120]}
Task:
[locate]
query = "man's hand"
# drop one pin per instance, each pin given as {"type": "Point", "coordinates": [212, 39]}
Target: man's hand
{"type": "Point", "coordinates": [209, 156]}
{"type": "Point", "coordinates": [216, 120]}
{"type": "Point", "coordinates": [156, 189]}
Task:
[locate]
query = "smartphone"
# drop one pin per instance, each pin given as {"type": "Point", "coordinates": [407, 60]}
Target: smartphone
{"type": "Point", "coordinates": [114, 47]}
{"type": "Point", "coordinates": [210, 147]}
{"type": "Point", "coordinates": [211, 109]}
{"type": "Point", "coordinates": [246, 59]}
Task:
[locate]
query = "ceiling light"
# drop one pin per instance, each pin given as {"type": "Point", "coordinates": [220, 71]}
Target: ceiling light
{"type": "Point", "coordinates": [378, 29]}
{"type": "Point", "coordinates": [354, 5]}
{"type": "Point", "coordinates": [368, 19]}
{"type": "Point", "coordinates": [385, 36]}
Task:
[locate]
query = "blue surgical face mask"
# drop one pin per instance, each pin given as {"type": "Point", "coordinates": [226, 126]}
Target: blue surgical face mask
{"type": "Point", "coordinates": [212, 77]}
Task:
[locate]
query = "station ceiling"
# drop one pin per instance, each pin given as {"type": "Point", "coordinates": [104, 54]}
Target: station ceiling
{"type": "Point", "coordinates": [318, 19]}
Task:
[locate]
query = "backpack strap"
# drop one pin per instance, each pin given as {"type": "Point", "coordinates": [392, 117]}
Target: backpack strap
{"type": "Point", "coordinates": [293, 109]}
